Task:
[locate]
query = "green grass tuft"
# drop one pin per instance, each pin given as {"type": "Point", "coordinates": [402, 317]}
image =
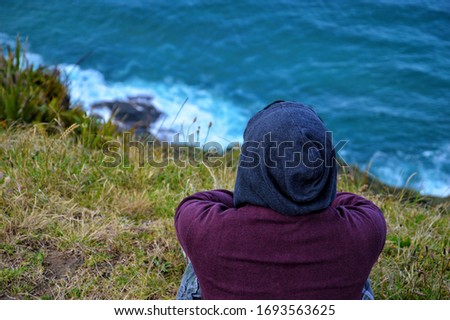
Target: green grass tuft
{"type": "Point", "coordinates": [40, 95]}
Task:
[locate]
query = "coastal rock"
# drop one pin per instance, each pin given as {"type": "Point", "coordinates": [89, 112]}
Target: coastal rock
{"type": "Point", "coordinates": [136, 112]}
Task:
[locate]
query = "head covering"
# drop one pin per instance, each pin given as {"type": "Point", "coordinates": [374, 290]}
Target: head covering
{"type": "Point", "coordinates": [287, 161]}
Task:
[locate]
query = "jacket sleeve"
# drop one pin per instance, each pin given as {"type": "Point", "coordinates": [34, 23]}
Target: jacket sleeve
{"type": "Point", "coordinates": [364, 215]}
{"type": "Point", "coordinates": [199, 212]}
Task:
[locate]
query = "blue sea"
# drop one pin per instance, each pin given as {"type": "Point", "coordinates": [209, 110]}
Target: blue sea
{"type": "Point", "coordinates": [378, 72]}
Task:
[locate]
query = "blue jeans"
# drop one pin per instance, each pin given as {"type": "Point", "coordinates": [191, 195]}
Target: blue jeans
{"type": "Point", "coordinates": [190, 288]}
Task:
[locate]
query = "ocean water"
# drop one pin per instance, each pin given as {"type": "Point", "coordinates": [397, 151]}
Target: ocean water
{"type": "Point", "coordinates": [378, 72]}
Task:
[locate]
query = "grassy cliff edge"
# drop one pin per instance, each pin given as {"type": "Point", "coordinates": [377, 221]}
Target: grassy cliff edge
{"type": "Point", "coordinates": [72, 228]}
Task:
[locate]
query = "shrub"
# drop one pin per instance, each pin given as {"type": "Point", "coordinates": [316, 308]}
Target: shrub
{"type": "Point", "coordinates": [30, 94]}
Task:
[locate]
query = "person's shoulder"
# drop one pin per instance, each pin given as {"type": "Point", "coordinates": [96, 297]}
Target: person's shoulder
{"type": "Point", "coordinates": [360, 211]}
{"type": "Point", "coordinates": [348, 199]}
{"type": "Point", "coordinates": [353, 206]}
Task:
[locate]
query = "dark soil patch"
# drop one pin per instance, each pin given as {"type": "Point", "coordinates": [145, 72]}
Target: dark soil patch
{"type": "Point", "coordinates": [59, 264]}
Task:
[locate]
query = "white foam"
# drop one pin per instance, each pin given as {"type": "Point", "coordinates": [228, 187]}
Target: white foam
{"type": "Point", "coordinates": [89, 86]}
{"type": "Point", "coordinates": [425, 173]}
{"type": "Point", "coordinates": [34, 59]}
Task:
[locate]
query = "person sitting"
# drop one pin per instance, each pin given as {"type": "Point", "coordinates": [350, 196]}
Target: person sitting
{"type": "Point", "coordinates": [285, 232]}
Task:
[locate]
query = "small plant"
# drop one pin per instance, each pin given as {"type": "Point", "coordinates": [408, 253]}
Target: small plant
{"type": "Point", "coordinates": [30, 95]}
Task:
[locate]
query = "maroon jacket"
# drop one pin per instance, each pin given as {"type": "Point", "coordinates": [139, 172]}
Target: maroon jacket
{"type": "Point", "coordinates": [256, 253]}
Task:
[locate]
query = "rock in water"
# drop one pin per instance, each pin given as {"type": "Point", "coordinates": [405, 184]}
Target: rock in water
{"type": "Point", "coordinates": [136, 112]}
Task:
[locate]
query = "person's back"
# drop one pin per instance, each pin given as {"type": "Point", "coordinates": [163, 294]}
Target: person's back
{"type": "Point", "coordinates": [284, 233]}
